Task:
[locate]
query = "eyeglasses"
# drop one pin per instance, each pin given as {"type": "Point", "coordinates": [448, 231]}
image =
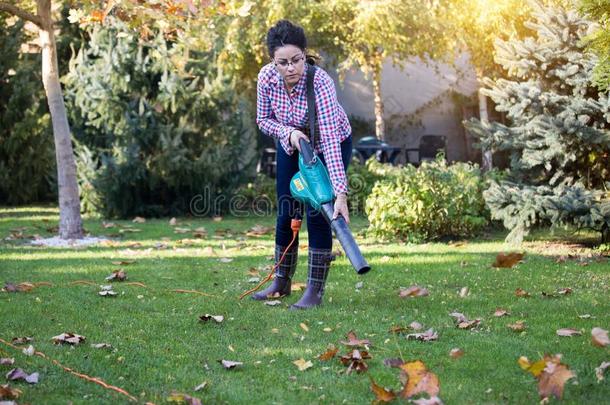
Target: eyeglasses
{"type": "Point", "coordinates": [294, 62]}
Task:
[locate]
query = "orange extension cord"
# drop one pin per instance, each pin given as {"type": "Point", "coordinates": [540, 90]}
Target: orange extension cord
{"type": "Point", "coordinates": [295, 225]}
{"type": "Point", "coordinates": [80, 375]}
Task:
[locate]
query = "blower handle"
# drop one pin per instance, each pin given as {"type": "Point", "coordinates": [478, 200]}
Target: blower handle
{"type": "Point", "coordinates": [307, 152]}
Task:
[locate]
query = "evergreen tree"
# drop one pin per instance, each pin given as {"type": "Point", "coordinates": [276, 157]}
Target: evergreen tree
{"type": "Point", "coordinates": [599, 41]}
{"type": "Point", "coordinates": [157, 124]}
{"type": "Point", "coordinates": [557, 134]}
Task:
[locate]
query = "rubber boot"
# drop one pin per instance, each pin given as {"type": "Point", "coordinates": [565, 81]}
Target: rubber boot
{"type": "Point", "coordinates": [283, 274]}
{"type": "Point", "coordinates": [319, 265]}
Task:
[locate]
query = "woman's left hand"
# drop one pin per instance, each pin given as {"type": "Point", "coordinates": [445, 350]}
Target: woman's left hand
{"type": "Point", "coordinates": [341, 207]}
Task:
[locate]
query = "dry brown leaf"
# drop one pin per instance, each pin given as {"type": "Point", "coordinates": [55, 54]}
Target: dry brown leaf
{"type": "Point", "coordinates": [302, 364]}
{"type": "Point", "coordinates": [117, 275]}
{"type": "Point", "coordinates": [215, 318]}
{"type": "Point", "coordinates": [177, 397]}
{"type": "Point", "coordinates": [69, 338]}
{"type": "Point", "coordinates": [413, 291]}
{"type": "Point", "coordinates": [456, 353]}
{"type": "Point", "coordinates": [19, 374]}
{"type": "Point", "coordinates": [123, 262]}
{"type": "Point", "coordinates": [173, 222]}
{"type": "Point", "coordinates": [518, 326]}
{"type": "Point", "coordinates": [426, 336]}
{"type": "Point", "coordinates": [108, 293]}
{"type": "Point", "coordinates": [464, 291]}
{"type": "Point", "coordinates": [395, 363]}
{"type": "Point", "coordinates": [419, 380]}
{"type": "Point", "coordinates": [353, 341]}
{"type": "Point", "coordinates": [304, 327]}
{"type": "Point", "coordinates": [330, 353]}
{"type": "Point", "coordinates": [5, 361]}
{"type": "Point", "coordinates": [508, 260]}
{"type": "Point", "coordinates": [382, 394]}
{"type": "Point", "coordinates": [259, 230]}
{"type": "Point", "coordinates": [298, 286]}
{"type": "Point", "coordinates": [228, 364]}
{"type": "Point", "coordinates": [107, 225]}
{"type": "Point", "coordinates": [6, 392]}
{"type": "Point", "coordinates": [599, 337]}
{"type": "Point", "coordinates": [139, 220]}
{"type": "Point", "coordinates": [599, 371]}
{"type": "Point", "coordinates": [21, 340]}
{"type": "Point", "coordinates": [501, 312]}
{"type": "Point", "coordinates": [101, 345]}
{"type": "Point", "coordinates": [553, 378]}
{"type": "Point", "coordinates": [568, 332]}
{"type": "Point", "coordinates": [520, 292]}
{"type": "Point", "coordinates": [463, 322]}
{"type": "Point", "coordinates": [427, 401]}
{"type": "Point", "coordinates": [273, 303]}
{"type": "Point", "coordinates": [354, 361]}
{"type": "Point", "coordinates": [564, 291]}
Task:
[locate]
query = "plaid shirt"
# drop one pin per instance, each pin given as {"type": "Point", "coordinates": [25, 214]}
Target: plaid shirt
{"type": "Point", "coordinates": [278, 114]}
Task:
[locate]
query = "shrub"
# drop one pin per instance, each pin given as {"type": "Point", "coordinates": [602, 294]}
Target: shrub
{"type": "Point", "coordinates": [428, 202]}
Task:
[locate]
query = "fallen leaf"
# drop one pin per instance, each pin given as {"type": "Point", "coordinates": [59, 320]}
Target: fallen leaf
{"type": "Point", "coordinates": [519, 292]}
{"type": "Point", "coordinates": [599, 371]}
{"type": "Point", "coordinates": [225, 260]}
{"type": "Point", "coordinates": [19, 374]}
{"type": "Point", "coordinates": [553, 378]}
{"type": "Point", "coordinates": [228, 364]}
{"type": "Point", "coordinates": [123, 262]}
{"type": "Point", "coordinates": [7, 361]}
{"type": "Point", "coordinates": [108, 225]}
{"type": "Point", "coordinates": [413, 291]}
{"type": "Point", "coordinates": [173, 222]}
{"type": "Point", "coordinates": [508, 260]}
{"type": "Point", "coordinates": [353, 341]}
{"type": "Point", "coordinates": [599, 337]}
{"type": "Point", "coordinates": [396, 363]}
{"type": "Point", "coordinates": [298, 286]}
{"type": "Point", "coordinates": [585, 316]}
{"type": "Point", "coordinates": [201, 386]}
{"type": "Point", "coordinates": [6, 392]}
{"type": "Point", "coordinates": [359, 285]}
{"type": "Point", "coordinates": [428, 401]}
{"type": "Point", "coordinates": [304, 327]}
{"type": "Point", "coordinates": [568, 332]}
{"type": "Point", "coordinates": [273, 303]}
{"type": "Point", "coordinates": [416, 325]}
{"type": "Point", "coordinates": [564, 291]}
{"type": "Point", "coordinates": [456, 353]}
{"type": "Point", "coordinates": [463, 322]}
{"type": "Point", "coordinates": [254, 279]}
{"type": "Point", "coordinates": [354, 361]}
{"type": "Point", "coordinates": [139, 220]}
{"type": "Point", "coordinates": [382, 394]}
{"type": "Point", "coordinates": [107, 293]}
{"type": "Point", "coordinates": [208, 317]}
{"type": "Point", "coordinates": [176, 397]}
{"type": "Point", "coordinates": [419, 380]}
{"type": "Point", "coordinates": [330, 353]}
{"type": "Point", "coordinates": [259, 230]}
{"type": "Point", "coordinates": [69, 338]}
{"type": "Point", "coordinates": [101, 346]}
{"type": "Point", "coordinates": [501, 312]}
{"type": "Point", "coordinates": [117, 275]}
{"type": "Point", "coordinates": [21, 340]}
{"type": "Point", "coordinates": [302, 364]}
{"type": "Point", "coordinates": [28, 351]}
{"type": "Point", "coordinates": [426, 336]}
{"type": "Point", "coordinates": [518, 326]}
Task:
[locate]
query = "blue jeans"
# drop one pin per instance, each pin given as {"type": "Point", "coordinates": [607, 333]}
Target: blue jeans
{"type": "Point", "coordinates": [320, 234]}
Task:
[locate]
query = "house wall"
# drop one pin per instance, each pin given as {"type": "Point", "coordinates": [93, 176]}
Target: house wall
{"type": "Point", "coordinates": [418, 101]}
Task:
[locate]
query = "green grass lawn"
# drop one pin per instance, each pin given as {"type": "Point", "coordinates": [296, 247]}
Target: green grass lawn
{"type": "Point", "coordinates": [159, 345]}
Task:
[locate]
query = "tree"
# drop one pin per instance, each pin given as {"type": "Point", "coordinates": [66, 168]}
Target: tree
{"type": "Point", "coordinates": [70, 222]}
{"type": "Point", "coordinates": [599, 42]}
{"type": "Point", "coordinates": [558, 133]}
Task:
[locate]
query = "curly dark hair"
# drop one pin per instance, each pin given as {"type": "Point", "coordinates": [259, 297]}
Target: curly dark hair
{"type": "Point", "coordinates": [283, 33]}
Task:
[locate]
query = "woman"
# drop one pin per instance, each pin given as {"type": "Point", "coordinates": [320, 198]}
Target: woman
{"type": "Point", "coordinates": [282, 114]}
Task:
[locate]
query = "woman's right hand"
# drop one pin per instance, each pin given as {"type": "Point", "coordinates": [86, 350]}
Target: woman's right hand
{"type": "Point", "coordinates": [295, 136]}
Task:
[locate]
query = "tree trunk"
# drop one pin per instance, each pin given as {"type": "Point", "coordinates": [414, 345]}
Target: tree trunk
{"type": "Point", "coordinates": [379, 125]}
{"type": "Point", "coordinates": [486, 163]}
{"type": "Point", "coordinates": [70, 222]}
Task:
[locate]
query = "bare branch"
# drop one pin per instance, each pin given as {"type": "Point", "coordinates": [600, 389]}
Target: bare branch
{"type": "Point", "coordinates": [14, 10]}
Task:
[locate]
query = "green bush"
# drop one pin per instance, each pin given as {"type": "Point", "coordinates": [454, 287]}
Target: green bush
{"type": "Point", "coordinates": [361, 181]}
{"type": "Point", "coordinates": [426, 203]}
{"type": "Point", "coordinates": [157, 130]}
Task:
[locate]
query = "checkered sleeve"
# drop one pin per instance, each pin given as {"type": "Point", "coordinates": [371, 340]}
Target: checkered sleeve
{"type": "Point", "coordinates": [326, 108]}
{"type": "Point", "coordinates": [266, 120]}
